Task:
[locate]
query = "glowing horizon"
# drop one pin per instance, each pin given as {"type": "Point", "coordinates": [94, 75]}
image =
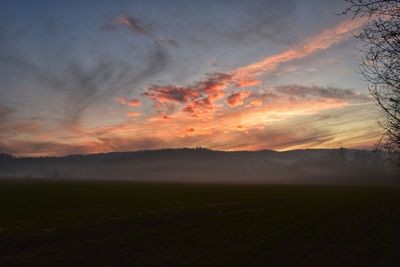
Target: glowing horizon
{"type": "Point", "coordinates": [134, 82]}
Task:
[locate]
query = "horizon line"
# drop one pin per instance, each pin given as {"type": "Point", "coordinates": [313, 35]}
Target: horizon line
{"type": "Point", "coordinates": [183, 148]}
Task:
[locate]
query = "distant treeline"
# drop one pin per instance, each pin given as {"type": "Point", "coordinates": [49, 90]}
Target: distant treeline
{"type": "Point", "coordinates": [203, 165]}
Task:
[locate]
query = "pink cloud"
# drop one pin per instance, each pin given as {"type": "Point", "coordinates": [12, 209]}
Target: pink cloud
{"type": "Point", "coordinates": [131, 102]}
{"type": "Point", "coordinates": [120, 100]}
{"type": "Point", "coordinates": [133, 114]}
{"type": "Point", "coordinates": [199, 98]}
{"type": "Point", "coordinates": [237, 98]}
{"type": "Point", "coordinates": [132, 23]}
{"type": "Point", "coordinates": [248, 83]}
{"type": "Point", "coordinates": [134, 103]}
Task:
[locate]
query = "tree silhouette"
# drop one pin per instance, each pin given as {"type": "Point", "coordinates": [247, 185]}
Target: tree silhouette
{"type": "Point", "coordinates": [380, 65]}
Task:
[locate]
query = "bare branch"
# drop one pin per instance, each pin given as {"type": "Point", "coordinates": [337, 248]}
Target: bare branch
{"type": "Point", "coordinates": [380, 65]}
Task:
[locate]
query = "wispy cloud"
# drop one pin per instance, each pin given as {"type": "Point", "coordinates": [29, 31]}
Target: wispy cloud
{"type": "Point", "coordinates": [134, 102]}
{"type": "Point", "coordinates": [321, 41]}
{"type": "Point", "coordinates": [257, 122]}
{"type": "Point", "coordinates": [132, 23]}
{"type": "Point", "coordinates": [297, 92]}
{"type": "Point", "coordinates": [48, 148]}
{"type": "Point", "coordinates": [133, 114]}
{"type": "Point", "coordinates": [236, 99]}
{"type": "Point", "coordinates": [5, 112]}
{"type": "Point", "coordinates": [137, 26]}
{"type": "Point", "coordinates": [201, 95]}
{"type": "Point", "coordinates": [121, 100]}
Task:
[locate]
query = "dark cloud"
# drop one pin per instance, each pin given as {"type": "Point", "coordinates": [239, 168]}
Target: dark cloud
{"type": "Point", "coordinates": [243, 23]}
{"type": "Point", "coordinates": [65, 72]}
{"type": "Point", "coordinates": [86, 85]}
{"type": "Point", "coordinates": [171, 93]}
{"type": "Point", "coordinates": [157, 60]}
{"type": "Point", "coordinates": [137, 26]}
{"type": "Point", "coordinates": [103, 80]}
{"type": "Point", "coordinates": [132, 24]}
{"type": "Point", "coordinates": [310, 92]}
{"type": "Point", "coordinates": [321, 92]}
{"type": "Point", "coordinates": [100, 82]}
{"type": "Point", "coordinates": [5, 112]}
{"type": "Point", "coordinates": [265, 20]}
{"type": "Point", "coordinates": [12, 59]}
{"type": "Point", "coordinates": [171, 42]}
{"type": "Point", "coordinates": [200, 96]}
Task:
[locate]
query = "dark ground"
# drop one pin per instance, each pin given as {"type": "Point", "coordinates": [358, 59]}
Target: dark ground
{"type": "Point", "coordinates": [69, 223]}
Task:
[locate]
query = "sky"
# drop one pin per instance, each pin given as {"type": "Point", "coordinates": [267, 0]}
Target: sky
{"type": "Point", "coordinates": [118, 75]}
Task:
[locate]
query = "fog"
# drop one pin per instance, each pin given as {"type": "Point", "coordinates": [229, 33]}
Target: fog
{"type": "Point", "coordinates": [311, 166]}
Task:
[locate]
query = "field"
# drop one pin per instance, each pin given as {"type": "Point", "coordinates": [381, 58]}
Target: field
{"type": "Point", "coordinates": [67, 223]}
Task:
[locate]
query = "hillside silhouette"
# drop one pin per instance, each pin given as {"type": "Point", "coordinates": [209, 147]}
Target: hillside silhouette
{"type": "Point", "coordinates": [320, 166]}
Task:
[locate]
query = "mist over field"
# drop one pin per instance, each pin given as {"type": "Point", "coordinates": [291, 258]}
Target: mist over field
{"type": "Point", "coordinates": [319, 166]}
{"type": "Point", "coordinates": [200, 133]}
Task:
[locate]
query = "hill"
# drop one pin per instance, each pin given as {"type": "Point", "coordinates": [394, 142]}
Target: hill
{"type": "Point", "coordinates": [202, 165]}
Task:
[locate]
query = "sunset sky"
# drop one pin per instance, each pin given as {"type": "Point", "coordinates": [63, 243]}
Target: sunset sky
{"type": "Point", "coordinates": [100, 76]}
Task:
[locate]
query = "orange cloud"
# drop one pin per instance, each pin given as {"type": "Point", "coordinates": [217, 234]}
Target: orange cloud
{"type": "Point", "coordinates": [133, 114]}
{"type": "Point", "coordinates": [256, 102]}
{"type": "Point", "coordinates": [321, 41]}
{"type": "Point", "coordinates": [120, 100]}
{"type": "Point", "coordinates": [236, 128]}
{"type": "Point", "coordinates": [248, 83]}
{"type": "Point", "coordinates": [198, 107]}
{"type": "Point", "coordinates": [199, 98]}
{"type": "Point", "coordinates": [279, 105]}
{"type": "Point", "coordinates": [284, 123]}
{"type": "Point", "coordinates": [171, 93]}
{"type": "Point", "coordinates": [237, 98]}
{"type": "Point", "coordinates": [134, 103]}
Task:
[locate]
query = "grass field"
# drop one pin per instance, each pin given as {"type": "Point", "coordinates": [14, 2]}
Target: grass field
{"type": "Point", "coordinates": [66, 223]}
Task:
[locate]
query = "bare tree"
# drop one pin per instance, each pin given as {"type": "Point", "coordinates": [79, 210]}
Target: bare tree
{"type": "Point", "coordinates": [380, 65]}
